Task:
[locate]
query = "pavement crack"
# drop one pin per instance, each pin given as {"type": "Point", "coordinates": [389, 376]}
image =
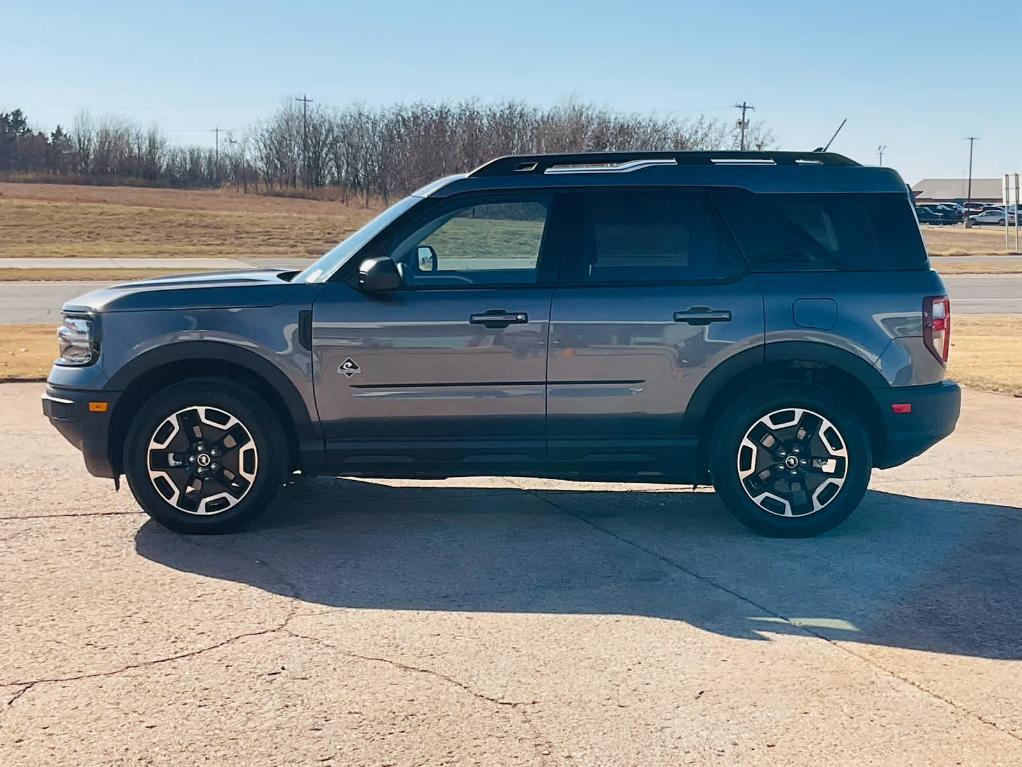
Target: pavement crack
{"type": "Point", "coordinates": [27, 685]}
{"type": "Point", "coordinates": [773, 613]}
{"type": "Point", "coordinates": [72, 515]}
{"type": "Point", "coordinates": [25, 688]}
{"type": "Point", "coordinates": [414, 669]}
{"type": "Point", "coordinates": [30, 684]}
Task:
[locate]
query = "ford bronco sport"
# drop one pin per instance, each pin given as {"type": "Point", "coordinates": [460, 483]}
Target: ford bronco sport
{"type": "Point", "coordinates": [767, 322]}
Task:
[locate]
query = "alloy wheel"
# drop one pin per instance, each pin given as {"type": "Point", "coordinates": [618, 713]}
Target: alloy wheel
{"type": "Point", "coordinates": [792, 462]}
{"type": "Point", "coordinates": [202, 460]}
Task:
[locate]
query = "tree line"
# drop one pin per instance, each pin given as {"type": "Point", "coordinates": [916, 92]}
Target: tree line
{"type": "Point", "coordinates": [360, 152]}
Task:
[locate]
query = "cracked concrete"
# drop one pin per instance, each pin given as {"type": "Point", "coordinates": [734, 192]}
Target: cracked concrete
{"type": "Point", "coordinates": [502, 621]}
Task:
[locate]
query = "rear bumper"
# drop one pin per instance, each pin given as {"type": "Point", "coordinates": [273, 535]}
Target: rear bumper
{"type": "Point", "coordinates": [89, 431]}
{"type": "Point", "coordinates": [934, 414]}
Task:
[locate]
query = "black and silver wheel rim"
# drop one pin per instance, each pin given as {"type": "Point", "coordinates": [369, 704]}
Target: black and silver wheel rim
{"type": "Point", "coordinates": [202, 460]}
{"type": "Point", "coordinates": [793, 462]}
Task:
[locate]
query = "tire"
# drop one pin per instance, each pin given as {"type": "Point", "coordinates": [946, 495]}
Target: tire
{"type": "Point", "coordinates": [209, 433]}
{"type": "Point", "coordinates": [764, 437]}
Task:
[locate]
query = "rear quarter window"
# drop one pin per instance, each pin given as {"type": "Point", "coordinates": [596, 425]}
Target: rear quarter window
{"type": "Point", "coordinates": [861, 232]}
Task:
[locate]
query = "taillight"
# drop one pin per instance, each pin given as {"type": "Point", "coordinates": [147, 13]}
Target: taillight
{"type": "Point", "coordinates": [937, 326]}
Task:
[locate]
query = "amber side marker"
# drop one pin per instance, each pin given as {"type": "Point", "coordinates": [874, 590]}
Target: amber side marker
{"type": "Point", "coordinates": [98, 407]}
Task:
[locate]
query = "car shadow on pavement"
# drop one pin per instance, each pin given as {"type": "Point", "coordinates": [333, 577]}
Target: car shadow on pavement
{"type": "Point", "coordinates": [934, 575]}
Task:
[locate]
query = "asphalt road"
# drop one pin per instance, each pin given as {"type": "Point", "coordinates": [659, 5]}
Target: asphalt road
{"type": "Point", "coordinates": [505, 621]}
{"type": "Point", "coordinates": [41, 301]}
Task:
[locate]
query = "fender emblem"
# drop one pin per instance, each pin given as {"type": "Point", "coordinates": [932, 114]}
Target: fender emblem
{"type": "Point", "coordinates": [349, 368]}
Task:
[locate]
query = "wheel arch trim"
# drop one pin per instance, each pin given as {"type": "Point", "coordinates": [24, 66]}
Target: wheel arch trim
{"type": "Point", "coordinates": [778, 352]}
{"type": "Point", "coordinates": [306, 424]}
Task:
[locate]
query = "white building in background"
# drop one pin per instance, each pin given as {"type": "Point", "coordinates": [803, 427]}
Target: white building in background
{"type": "Point", "coordinates": [956, 190]}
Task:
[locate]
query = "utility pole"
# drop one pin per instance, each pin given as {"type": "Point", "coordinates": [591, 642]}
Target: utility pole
{"type": "Point", "coordinates": [305, 101]}
{"type": "Point", "coordinates": [968, 196]}
{"type": "Point", "coordinates": [216, 162]}
{"type": "Point", "coordinates": [743, 124]}
{"type": "Point", "coordinates": [880, 150]}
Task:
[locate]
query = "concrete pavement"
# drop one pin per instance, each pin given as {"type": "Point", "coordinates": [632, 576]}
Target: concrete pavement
{"type": "Point", "coordinates": [513, 621]}
{"type": "Point", "coordinates": [41, 301]}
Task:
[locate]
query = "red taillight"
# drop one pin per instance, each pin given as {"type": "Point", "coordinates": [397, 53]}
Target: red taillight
{"type": "Point", "coordinates": [937, 326]}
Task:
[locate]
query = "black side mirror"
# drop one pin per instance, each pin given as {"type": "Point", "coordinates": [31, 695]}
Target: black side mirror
{"type": "Point", "coordinates": [378, 275]}
{"type": "Point", "coordinates": [428, 262]}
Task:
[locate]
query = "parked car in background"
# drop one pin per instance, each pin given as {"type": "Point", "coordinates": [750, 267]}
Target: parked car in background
{"type": "Point", "coordinates": [950, 213]}
{"type": "Point", "coordinates": [993, 216]}
{"type": "Point", "coordinates": [928, 215]}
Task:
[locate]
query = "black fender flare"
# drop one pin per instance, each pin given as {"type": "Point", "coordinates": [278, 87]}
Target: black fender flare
{"type": "Point", "coordinates": [777, 352]}
{"type": "Point", "coordinates": [306, 423]}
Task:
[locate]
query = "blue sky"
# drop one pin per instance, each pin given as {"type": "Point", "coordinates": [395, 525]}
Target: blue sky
{"type": "Point", "coordinates": [916, 76]}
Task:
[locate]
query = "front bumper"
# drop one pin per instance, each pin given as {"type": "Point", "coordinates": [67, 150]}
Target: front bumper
{"type": "Point", "coordinates": [935, 411]}
{"type": "Point", "coordinates": [88, 430]}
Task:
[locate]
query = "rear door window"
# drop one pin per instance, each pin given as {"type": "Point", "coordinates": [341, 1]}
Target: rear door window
{"type": "Point", "coordinates": [640, 236]}
{"type": "Point", "coordinates": [781, 232]}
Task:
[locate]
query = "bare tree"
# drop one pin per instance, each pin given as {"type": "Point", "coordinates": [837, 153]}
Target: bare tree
{"type": "Point", "coordinates": [361, 152]}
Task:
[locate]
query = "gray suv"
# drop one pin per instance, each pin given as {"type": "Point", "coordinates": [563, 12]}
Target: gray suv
{"type": "Point", "coordinates": [765, 322]}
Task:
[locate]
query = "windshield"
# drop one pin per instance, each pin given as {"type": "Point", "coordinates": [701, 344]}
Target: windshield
{"type": "Point", "coordinates": [339, 255]}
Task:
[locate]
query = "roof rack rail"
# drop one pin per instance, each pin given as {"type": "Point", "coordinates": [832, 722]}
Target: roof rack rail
{"type": "Point", "coordinates": [628, 162]}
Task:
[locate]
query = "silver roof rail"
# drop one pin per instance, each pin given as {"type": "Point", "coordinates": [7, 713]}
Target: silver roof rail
{"type": "Point", "coordinates": [616, 167]}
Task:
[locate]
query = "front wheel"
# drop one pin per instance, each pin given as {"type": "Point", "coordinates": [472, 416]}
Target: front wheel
{"type": "Point", "coordinates": [790, 460]}
{"type": "Point", "coordinates": [204, 456]}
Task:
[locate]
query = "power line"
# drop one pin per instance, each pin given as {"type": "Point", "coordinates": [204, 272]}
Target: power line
{"type": "Point", "coordinates": [743, 124]}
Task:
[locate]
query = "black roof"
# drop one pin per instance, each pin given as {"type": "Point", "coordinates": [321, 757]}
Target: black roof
{"type": "Point", "coordinates": [542, 163]}
{"type": "Point", "coordinates": [766, 172]}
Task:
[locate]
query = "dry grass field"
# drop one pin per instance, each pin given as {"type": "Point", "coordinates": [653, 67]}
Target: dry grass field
{"type": "Point", "coordinates": [76, 275]}
{"type": "Point", "coordinates": [47, 220]}
{"type": "Point", "coordinates": [27, 351]}
{"type": "Point", "coordinates": [986, 352]}
{"type": "Point", "coordinates": [958, 241]}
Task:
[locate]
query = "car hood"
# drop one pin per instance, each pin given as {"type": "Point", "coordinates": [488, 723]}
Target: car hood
{"type": "Point", "coordinates": [243, 288]}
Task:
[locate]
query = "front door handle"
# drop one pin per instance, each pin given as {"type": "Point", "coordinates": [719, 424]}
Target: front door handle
{"type": "Point", "coordinates": [702, 315]}
{"type": "Point", "coordinates": [499, 318]}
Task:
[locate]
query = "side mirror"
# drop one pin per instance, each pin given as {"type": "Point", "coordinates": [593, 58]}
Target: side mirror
{"type": "Point", "coordinates": [428, 262]}
{"type": "Point", "coordinates": [378, 275]}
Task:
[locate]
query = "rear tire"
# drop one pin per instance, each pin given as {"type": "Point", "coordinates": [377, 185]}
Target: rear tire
{"type": "Point", "coordinates": [204, 456]}
{"type": "Point", "coordinates": [790, 459]}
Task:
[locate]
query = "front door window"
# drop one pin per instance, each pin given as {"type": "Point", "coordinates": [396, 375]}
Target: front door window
{"type": "Point", "coordinates": [485, 244]}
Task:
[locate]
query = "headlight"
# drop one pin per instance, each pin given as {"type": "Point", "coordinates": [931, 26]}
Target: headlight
{"type": "Point", "coordinates": [77, 341]}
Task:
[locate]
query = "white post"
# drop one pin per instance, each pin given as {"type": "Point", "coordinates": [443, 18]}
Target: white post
{"type": "Point", "coordinates": [1005, 197]}
{"type": "Point", "coordinates": [1016, 213]}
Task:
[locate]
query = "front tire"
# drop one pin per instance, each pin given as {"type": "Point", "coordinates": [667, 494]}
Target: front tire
{"type": "Point", "coordinates": [204, 456]}
{"type": "Point", "coordinates": [790, 460]}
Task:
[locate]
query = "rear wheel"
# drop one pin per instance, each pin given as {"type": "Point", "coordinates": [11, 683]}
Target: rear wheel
{"type": "Point", "coordinates": [790, 460]}
{"type": "Point", "coordinates": [204, 456]}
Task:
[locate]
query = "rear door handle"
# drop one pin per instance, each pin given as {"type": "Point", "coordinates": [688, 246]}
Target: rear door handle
{"type": "Point", "coordinates": [702, 315]}
{"type": "Point", "coordinates": [499, 318]}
